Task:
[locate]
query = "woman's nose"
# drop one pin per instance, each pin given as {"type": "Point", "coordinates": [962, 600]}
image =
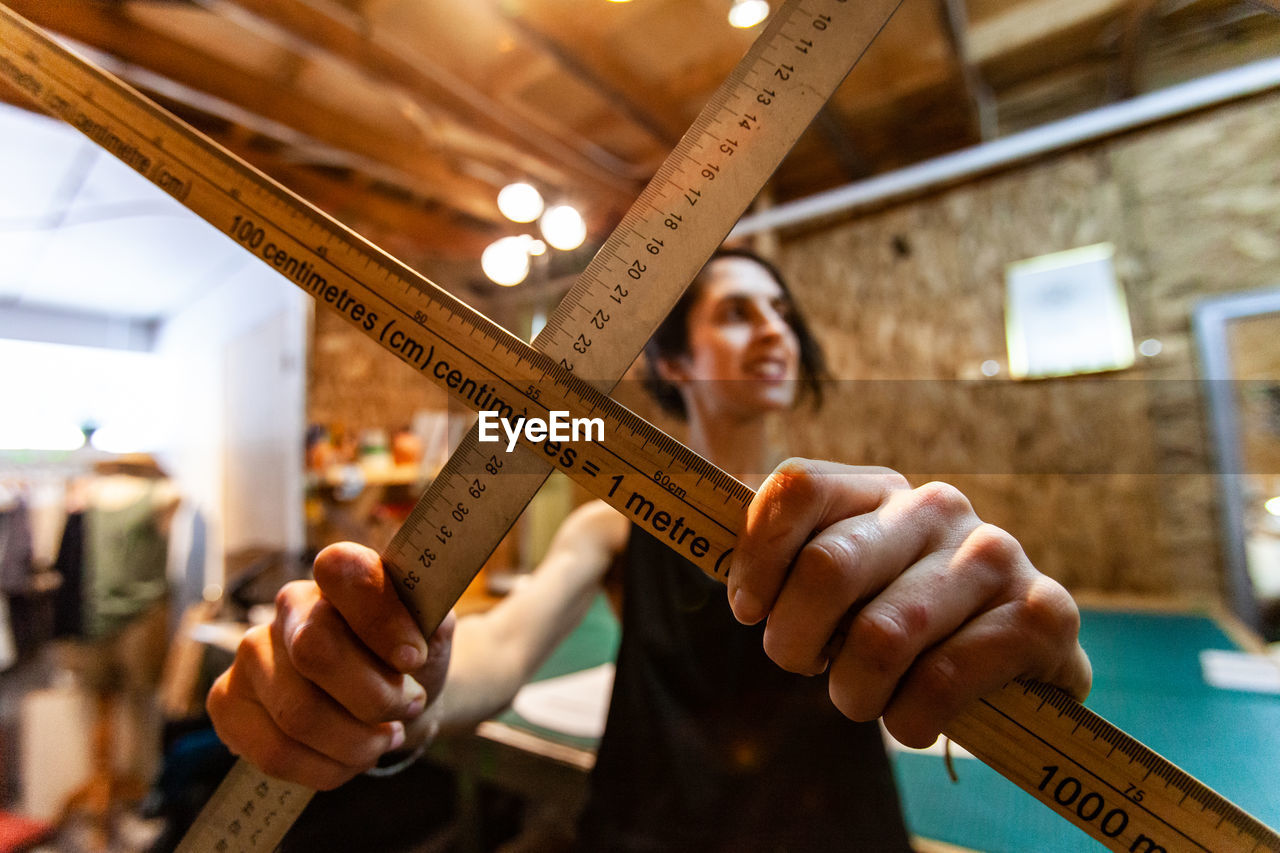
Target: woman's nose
{"type": "Point", "coordinates": [771, 323]}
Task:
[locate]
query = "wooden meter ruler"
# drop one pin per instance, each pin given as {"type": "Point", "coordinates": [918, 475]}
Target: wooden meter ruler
{"type": "Point", "coordinates": [1085, 769]}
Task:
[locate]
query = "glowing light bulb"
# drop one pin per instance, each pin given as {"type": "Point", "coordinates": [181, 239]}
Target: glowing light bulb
{"type": "Point", "coordinates": [562, 227]}
{"type": "Point", "coordinates": [745, 14]}
{"type": "Point", "coordinates": [40, 436]}
{"type": "Point", "coordinates": [506, 261]}
{"type": "Point", "coordinates": [520, 202]}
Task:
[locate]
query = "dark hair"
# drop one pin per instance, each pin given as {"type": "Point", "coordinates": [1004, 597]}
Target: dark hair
{"type": "Point", "coordinates": [671, 340]}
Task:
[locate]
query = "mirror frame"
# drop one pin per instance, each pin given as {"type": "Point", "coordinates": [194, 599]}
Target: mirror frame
{"type": "Point", "coordinates": [1210, 321]}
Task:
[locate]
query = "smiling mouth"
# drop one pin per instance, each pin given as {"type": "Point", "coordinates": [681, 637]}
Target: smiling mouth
{"type": "Point", "coordinates": [769, 368]}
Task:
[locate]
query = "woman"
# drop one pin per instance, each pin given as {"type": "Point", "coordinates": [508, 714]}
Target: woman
{"type": "Point", "coordinates": [718, 736]}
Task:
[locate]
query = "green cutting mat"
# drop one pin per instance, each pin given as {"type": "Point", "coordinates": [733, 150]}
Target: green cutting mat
{"type": "Point", "coordinates": [1147, 681]}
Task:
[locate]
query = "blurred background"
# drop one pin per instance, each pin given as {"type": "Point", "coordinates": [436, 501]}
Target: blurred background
{"type": "Point", "coordinates": [1039, 240]}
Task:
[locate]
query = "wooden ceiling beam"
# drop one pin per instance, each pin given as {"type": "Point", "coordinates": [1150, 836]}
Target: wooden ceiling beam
{"type": "Point", "coordinates": [1133, 42]}
{"type": "Point", "coordinates": [110, 28]}
{"type": "Point", "coordinates": [408, 229]}
{"type": "Point", "coordinates": [600, 70]}
{"type": "Point", "coordinates": [249, 129]}
{"type": "Point", "coordinates": [1054, 95]}
{"type": "Point", "coordinates": [842, 144]}
{"type": "Point", "coordinates": [360, 42]}
{"type": "Point", "coordinates": [1033, 22]}
{"type": "Point", "coordinates": [407, 225]}
{"type": "Point", "coordinates": [982, 104]}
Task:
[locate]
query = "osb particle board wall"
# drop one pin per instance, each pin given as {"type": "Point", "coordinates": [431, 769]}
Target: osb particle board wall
{"type": "Point", "coordinates": [353, 384]}
{"type": "Point", "coordinates": [1107, 481]}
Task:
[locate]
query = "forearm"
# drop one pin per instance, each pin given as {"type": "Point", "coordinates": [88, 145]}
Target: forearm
{"type": "Point", "coordinates": [496, 653]}
{"type": "Point", "coordinates": [483, 677]}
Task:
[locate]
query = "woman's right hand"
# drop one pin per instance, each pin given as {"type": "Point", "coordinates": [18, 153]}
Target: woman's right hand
{"type": "Point", "coordinates": [339, 677]}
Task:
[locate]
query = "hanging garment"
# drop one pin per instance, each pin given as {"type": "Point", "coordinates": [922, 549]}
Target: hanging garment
{"type": "Point", "coordinates": [8, 648]}
{"type": "Point", "coordinates": [15, 571]}
{"type": "Point", "coordinates": [126, 551]}
{"type": "Point", "coordinates": [16, 564]}
{"type": "Point", "coordinates": [68, 602]}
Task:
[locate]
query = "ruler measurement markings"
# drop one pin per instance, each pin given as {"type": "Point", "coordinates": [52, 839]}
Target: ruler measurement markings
{"type": "Point", "coordinates": [1081, 768]}
{"type": "Point", "coordinates": [1173, 776]}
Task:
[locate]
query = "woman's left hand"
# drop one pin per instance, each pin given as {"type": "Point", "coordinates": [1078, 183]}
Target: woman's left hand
{"type": "Point", "coordinates": [915, 606]}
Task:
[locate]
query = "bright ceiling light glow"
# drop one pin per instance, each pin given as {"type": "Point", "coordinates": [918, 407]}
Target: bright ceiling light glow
{"type": "Point", "coordinates": [520, 202]}
{"type": "Point", "coordinates": [506, 261]}
{"type": "Point", "coordinates": [744, 14]}
{"type": "Point", "coordinates": [40, 436]}
{"type": "Point", "coordinates": [562, 226]}
{"type": "Point", "coordinates": [537, 247]}
{"type": "Point", "coordinates": [1273, 506]}
{"type": "Point", "coordinates": [123, 438]}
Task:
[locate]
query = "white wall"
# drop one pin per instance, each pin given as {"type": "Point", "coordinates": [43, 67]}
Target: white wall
{"type": "Point", "coordinates": [235, 366]}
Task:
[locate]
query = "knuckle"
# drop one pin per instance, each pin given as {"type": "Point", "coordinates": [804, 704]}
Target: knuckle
{"type": "Point", "coordinates": [916, 723]}
{"type": "Point", "coordinates": [383, 707]}
{"type": "Point", "coordinates": [994, 546]}
{"type": "Point", "coordinates": [940, 679]}
{"type": "Point", "coordinates": [312, 649]}
{"type": "Point", "coordinates": [293, 714]}
{"type": "Point", "coordinates": [827, 561]}
{"type": "Point", "coordinates": [218, 699]}
{"type": "Point", "coordinates": [289, 593]}
{"type": "Point", "coordinates": [944, 499]}
{"type": "Point", "coordinates": [881, 640]}
{"type": "Point", "coordinates": [249, 649]}
{"type": "Point", "coordinates": [893, 480]}
{"type": "Point", "coordinates": [1047, 610]}
{"type": "Point", "coordinates": [911, 617]}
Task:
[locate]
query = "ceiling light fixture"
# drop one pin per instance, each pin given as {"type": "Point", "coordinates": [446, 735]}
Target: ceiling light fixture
{"type": "Point", "coordinates": [506, 261]}
{"type": "Point", "coordinates": [562, 227]}
{"type": "Point", "coordinates": [745, 14]}
{"type": "Point", "coordinates": [520, 202]}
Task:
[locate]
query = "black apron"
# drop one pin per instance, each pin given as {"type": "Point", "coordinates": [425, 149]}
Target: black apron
{"type": "Point", "coordinates": [709, 745]}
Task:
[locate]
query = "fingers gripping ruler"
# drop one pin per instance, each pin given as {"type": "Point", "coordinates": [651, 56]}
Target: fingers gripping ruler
{"type": "Point", "coordinates": [1086, 770]}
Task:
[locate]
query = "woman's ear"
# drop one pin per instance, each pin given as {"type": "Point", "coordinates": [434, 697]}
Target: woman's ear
{"type": "Point", "coordinates": [671, 369]}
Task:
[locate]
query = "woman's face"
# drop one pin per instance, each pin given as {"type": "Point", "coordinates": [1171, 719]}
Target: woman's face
{"type": "Point", "coordinates": [744, 357]}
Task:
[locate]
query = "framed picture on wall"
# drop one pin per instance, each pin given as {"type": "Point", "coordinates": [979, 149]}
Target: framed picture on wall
{"type": "Point", "coordinates": [1066, 314]}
